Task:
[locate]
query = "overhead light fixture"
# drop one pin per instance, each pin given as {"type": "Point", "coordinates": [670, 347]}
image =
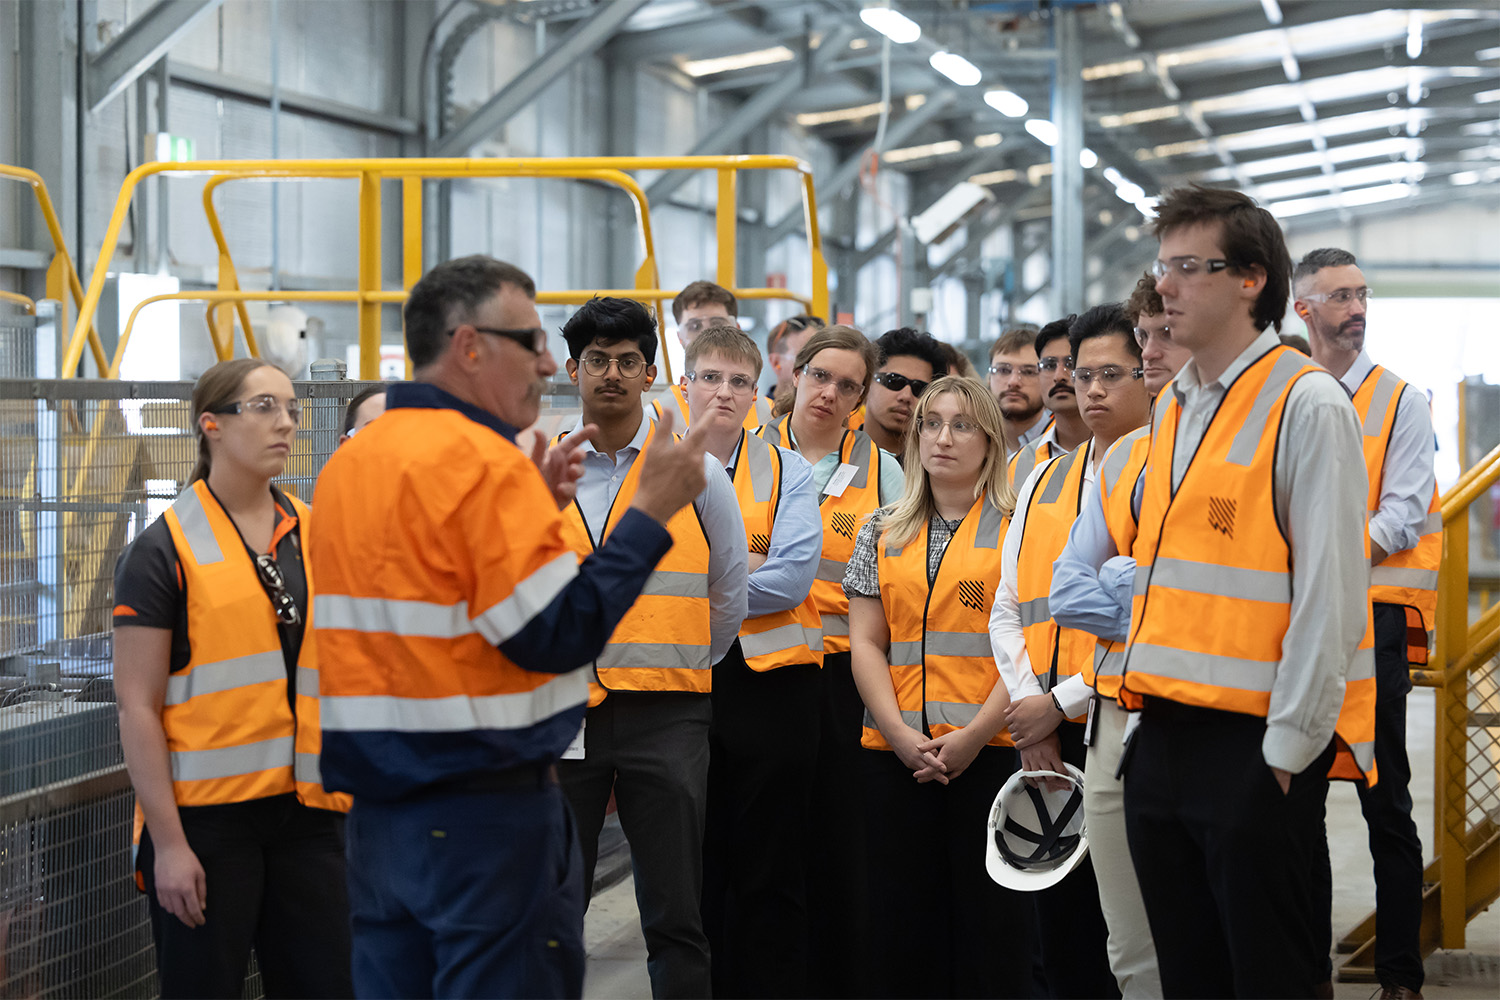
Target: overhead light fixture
{"type": "Point", "coordinates": [1038, 172]}
{"type": "Point", "coordinates": [1087, 158]}
{"type": "Point", "coordinates": [809, 119]}
{"type": "Point", "coordinates": [988, 140]}
{"type": "Point", "coordinates": [1130, 192]}
{"type": "Point", "coordinates": [1272, 9]}
{"type": "Point", "coordinates": [1414, 35]}
{"type": "Point", "coordinates": [996, 177]}
{"type": "Point", "coordinates": [1460, 179]}
{"type": "Point", "coordinates": [1289, 67]}
{"type": "Point", "coordinates": [1042, 130]}
{"type": "Point", "coordinates": [1345, 199]}
{"type": "Point", "coordinates": [1114, 176]}
{"type": "Point", "coordinates": [946, 212]}
{"type": "Point", "coordinates": [1413, 86]}
{"type": "Point", "coordinates": [1007, 102]}
{"type": "Point", "coordinates": [1147, 207]}
{"type": "Point", "coordinates": [1104, 71]}
{"type": "Point", "coordinates": [1140, 117]}
{"type": "Point", "coordinates": [744, 60]}
{"type": "Point", "coordinates": [1185, 148]}
{"type": "Point", "coordinates": [859, 43]}
{"type": "Point", "coordinates": [956, 68]}
{"type": "Point", "coordinates": [931, 149]}
{"type": "Point", "coordinates": [892, 24]}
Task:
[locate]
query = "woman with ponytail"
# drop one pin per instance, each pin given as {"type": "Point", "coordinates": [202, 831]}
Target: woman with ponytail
{"type": "Point", "coordinates": [216, 677]}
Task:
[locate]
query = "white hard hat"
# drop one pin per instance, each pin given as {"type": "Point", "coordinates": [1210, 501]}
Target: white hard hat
{"type": "Point", "coordinates": [1036, 836]}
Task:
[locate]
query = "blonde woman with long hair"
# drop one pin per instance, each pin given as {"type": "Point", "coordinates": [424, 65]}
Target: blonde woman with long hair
{"type": "Point", "coordinates": [920, 584]}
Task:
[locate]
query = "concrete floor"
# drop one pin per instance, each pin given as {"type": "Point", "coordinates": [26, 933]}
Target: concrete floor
{"type": "Point", "coordinates": [617, 952]}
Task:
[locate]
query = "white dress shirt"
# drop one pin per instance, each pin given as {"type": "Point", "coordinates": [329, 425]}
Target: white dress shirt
{"type": "Point", "coordinates": [1407, 478]}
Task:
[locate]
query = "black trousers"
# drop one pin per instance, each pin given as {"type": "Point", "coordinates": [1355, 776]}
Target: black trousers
{"type": "Point", "coordinates": [1395, 846]}
{"type": "Point", "coordinates": [939, 925]}
{"type": "Point", "coordinates": [837, 911]}
{"type": "Point", "coordinates": [1223, 856]}
{"type": "Point", "coordinates": [274, 872]}
{"type": "Point", "coordinates": [651, 747]}
{"type": "Point", "coordinates": [761, 745]}
{"type": "Point", "coordinates": [1070, 923]}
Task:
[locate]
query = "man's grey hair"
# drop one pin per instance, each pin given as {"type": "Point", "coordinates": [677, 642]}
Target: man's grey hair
{"type": "Point", "coordinates": [1316, 260]}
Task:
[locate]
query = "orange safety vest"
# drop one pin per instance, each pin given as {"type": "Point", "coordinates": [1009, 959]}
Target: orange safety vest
{"type": "Point", "coordinates": [759, 413]}
{"type": "Point", "coordinates": [856, 418]}
{"type": "Point", "coordinates": [941, 664]}
{"type": "Point", "coordinates": [1028, 458]}
{"type": "Point", "coordinates": [1407, 578]}
{"type": "Point", "coordinates": [1122, 469]}
{"type": "Point", "coordinates": [1213, 582]}
{"type": "Point", "coordinates": [781, 638]}
{"type": "Point", "coordinates": [842, 516]}
{"type": "Point", "coordinates": [1054, 652]}
{"type": "Point", "coordinates": [231, 735]}
{"type": "Point", "coordinates": [664, 641]}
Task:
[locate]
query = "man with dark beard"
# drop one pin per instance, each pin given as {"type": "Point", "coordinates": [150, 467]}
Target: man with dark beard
{"type": "Point", "coordinates": [1067, 430]}
{"type": "Point", "coordinates": [1406, 540]}
{"type": "Point", "coordinates": [1017, 384]}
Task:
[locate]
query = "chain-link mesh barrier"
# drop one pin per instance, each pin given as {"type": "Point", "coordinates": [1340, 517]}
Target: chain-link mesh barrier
{"type": "Point", "coordinates": [1483, 779]}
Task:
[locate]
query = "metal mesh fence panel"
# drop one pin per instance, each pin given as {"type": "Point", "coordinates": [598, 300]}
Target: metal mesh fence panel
{"type": "Point", "coordinates": [84, 467]}
{"type": "Point", "coordinates": [1483, 779]}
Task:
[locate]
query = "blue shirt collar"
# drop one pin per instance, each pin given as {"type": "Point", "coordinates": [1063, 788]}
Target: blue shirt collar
{"type": "Point", "coordinates": [426, 396]}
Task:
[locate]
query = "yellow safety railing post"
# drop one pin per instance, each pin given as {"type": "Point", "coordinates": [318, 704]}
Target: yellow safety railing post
{"type": "Point", "coordinates": [411, 240]}
{"type": "Point", "coordinates": [815, 249]}
{"type": "Point", "coordinates": [1452, 744]}
{"type": "Point", "coordinates": [24, 301]}
{"type": "Point", "coordinates": [726, 219]}
{"type": "Point", "coordinates": [369, 274]}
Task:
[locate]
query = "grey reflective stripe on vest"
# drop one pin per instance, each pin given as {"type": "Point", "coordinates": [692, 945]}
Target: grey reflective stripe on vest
{"type": "Point", "coordinates": [1433, 525]}
{"type": "Point", "coordinates": [1059, 476]}
{"type": "Point", "coordinates": [758, 462]}
{"type": "Point", "coordinates": [958, 644]}
{"type": "Point", "coordinates": [231, 762]}
{"type": "Point", "coordinates": [1108, 661]}
{"type": "Point", "coordinates": [1406, 577]}
{"type": "Point", "coordinates": [859, 457]}
{"type": "Point", "coordinates": [905, 654]}
{"type": "Point", "coordinates": [775, 640]}
{"type": "Point", "coordinates": [196, 530]}
{"type": "Point", "coordinates": [835, 624]}
{"type": "Point", "coordinates": [950, 713]}
{"type": "Point", "coordinates": [1035, 611]}
{"type": "Point", "coordinates": [1380, 402]}
{"type": "Point", "coordinates": [1025, 462]}
{"type": "Point", "coordinates": [1216, 671]}
{"type": "Point", "coordinates": [414, 619]}
{"type": "Point", "coordinates": [1248, 438]}
{"type": "Point", "coordinates": [225, 675]}
{"type": "Point", "coordinates": [1364, 755]}
{"type": "Point", "coordinates": [1219, 581]}
{"type": "Point", "coordinates": [1119, 457]}
{"type": "Point", "coordinates": [1161, 406]}
{"type": "Point", "coordinates": [654, 656]}
{"type": "Point", "coordinates": [772, 431]}
{"type": "Point", "coordinates": [831, 570]}
{"type": "Point", "coordinates": [308, 769]}
{"type": "Point", "coordinates": [1361, 666]}
{"type": "Point", "coordinates": [307, 682]}
{"type": "Point", "coordinates": [991, 521]}
{"type": "Point", "coordinates": [665, 583]}
{"type": "Point", "coordinates": [913, 719]}
{"type": "Point", "coordinates": [457, 713]}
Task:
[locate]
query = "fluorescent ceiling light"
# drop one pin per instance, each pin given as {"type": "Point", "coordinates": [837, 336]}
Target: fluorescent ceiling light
{"type": "Point", "coordinates": [1104, 71]}
{"type": "Point", "coordinates": [1186, 148]}
{"type": "Point", "coordinates": [988, 140]}
{"type": "Point", "coordinates": [1042, 130]}
{"type": "Point", "coordinates": [1273, 10]}
{"type": "Point", "coordinates": [1087, 158]}
{"type": "Point", "coordinates": [931, 149]}
{"type": "Point", "coordinates": [947, 210]}
{"type": "Point", "coordinates": [1037, 171]}
{"type": "Point", "coordinates": [1130, 192]}
{"type": "Point", "coordinates": [956, 68]}
{"type": "Point", "coordinates": [1460, 179]}
{"type": "Point", "coordinates": [811, 118]}
{"type": "Point", "coordinates": [1114, 176]}
{"type": "Point", "coordinates": [1140, 117]}
{"type": "Point", "coordinates": [1346, 199]}
{"type": "Point", "coordinates": [1313, 159]}
{"type": "Point", "coordinates": [1414, 35]}
{"type": "Point", "coordinates": [1008, 103]}
{"type": "Point", "coordinates": [1000, 177]}
{"type": "Point", "coordinates": [1289, 67]}
{"type": "Point", "coordinates": [744, 60]}
{"type": "Point", "coordinates": [1147, 207]}
{"type": "Point", "coordinates": [892, 24]}
{"type": "Point", "coordinates": [1358, 177]}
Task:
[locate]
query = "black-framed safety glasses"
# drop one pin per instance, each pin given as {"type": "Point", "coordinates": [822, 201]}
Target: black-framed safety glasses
{"type": "Point", "coordinates": [274, 583]}
{"type": "Point", "coordinates": [533, 339]}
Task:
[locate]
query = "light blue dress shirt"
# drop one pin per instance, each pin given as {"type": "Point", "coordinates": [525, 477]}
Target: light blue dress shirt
{"type": "Point", "coordinates": [791, 565]}
{"type": "Point", "coordinates": [892, 478]}
{"type": "Point", "coordinates": [1091, 582]}
{"type": "Point", "coordinates": [718, 510]}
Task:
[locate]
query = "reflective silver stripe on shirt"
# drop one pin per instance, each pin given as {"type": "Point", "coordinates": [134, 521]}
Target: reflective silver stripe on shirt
{"type": "Point", "coordinates": [458, 713]}
{"type": "Point", "coordinates": [1203, 668]}
{"type": "Point", "coordinates": [758, 462]}
{"type": "Point", "coordinates": [831, 570]}
{"type": "Point", "coordinates": [951, 713]}
{"type": "Point", "coordinates": [412, 619]}
{"type": "Point", "coordinates": [1036, 611]}
{"type": "Point", "coordinates": [196, 530]}
{"type": "Point", "coordinates": [1058, 477]}
{"type": "Point", "coordinates": [913, 719]}
{"type": "Point", "coordinates": [905, 654]}
{"type": "Point", "coordinates": [991, 521]}
{"type": "Point", "coordinates": [654, 656]}
{"type": "Point", "coordinates": [529, 598]}
{"type": "Point", "coordinates": [663, 583]}
{"type": "Point", "coordinates": [1248, 438]}
{"type": "Point", "coordinates": [1405, 577]}
{"type": "Point", "coordinates": [835, 624]}
{"type": "Point", "coordinates": [1380, 402]}
{"type": "Point", "coordinates": [792, 635]}
{"type": "Point", "coordinates": [1218, 581]}
{"type": "Point", "coordinates": [1119, 457]}
{"type": "Point", "coordinates": [225, 675]}
{"type": "Point", "coordinates": [958, 644]}
{"type": "Point", "coordinates": [231, 762]}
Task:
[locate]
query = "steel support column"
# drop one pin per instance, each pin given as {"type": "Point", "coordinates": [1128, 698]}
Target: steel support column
{"type": "Point", "coordinates": [761, 106]}
{"type": "Point", "coordinates": [582, 41]}
{"type": "Point", "coordinates": [1067, 173]}
{"type": "Point", "coordinates": [140, 45]}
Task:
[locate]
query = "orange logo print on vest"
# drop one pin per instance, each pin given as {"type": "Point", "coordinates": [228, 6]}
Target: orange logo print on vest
{"type": "Point", "coordinates": [843, 523]}
{"type": "Point", "coordinates": [971, 594]}
{"type": "Point", "coordinates": [1221, 515]}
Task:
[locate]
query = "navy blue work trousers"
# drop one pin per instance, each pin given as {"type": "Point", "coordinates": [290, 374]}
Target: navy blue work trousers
{"type": "Point", "coordinates": [467, 894]}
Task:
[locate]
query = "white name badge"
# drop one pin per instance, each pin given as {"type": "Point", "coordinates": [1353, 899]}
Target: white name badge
{"type": "Point", "coordinates": [575, 749]}
{"type": "Point", "coordinates": [840, 480]}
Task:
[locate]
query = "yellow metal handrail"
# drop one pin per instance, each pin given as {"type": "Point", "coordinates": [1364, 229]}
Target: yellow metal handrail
{"type": "Point", "coordinates": [62, 276]}
{"type": "Point", "coordinates": [370, 295]}
{"type": "Point", "coordinates": [24, 301]}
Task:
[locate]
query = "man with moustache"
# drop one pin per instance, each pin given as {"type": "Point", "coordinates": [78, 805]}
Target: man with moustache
{"type": "Point", "coordinates": [909, 361]}
{"type": "Point", "coordinates": [1067, 430]}
{"type": "Point", "coordinates": [1405, 549]}
{"type": "Point", "coordinates": [645, 733]}
{"type": "Point", "coordinates": [1016, 382]}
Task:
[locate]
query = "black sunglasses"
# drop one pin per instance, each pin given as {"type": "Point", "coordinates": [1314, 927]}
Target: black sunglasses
{"type": "Point", "coordinates": [896, 383]}
{"type": "Point", "coordinates": [275, 584]}
{"type": "Point", "coordinates": [534, 339]}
